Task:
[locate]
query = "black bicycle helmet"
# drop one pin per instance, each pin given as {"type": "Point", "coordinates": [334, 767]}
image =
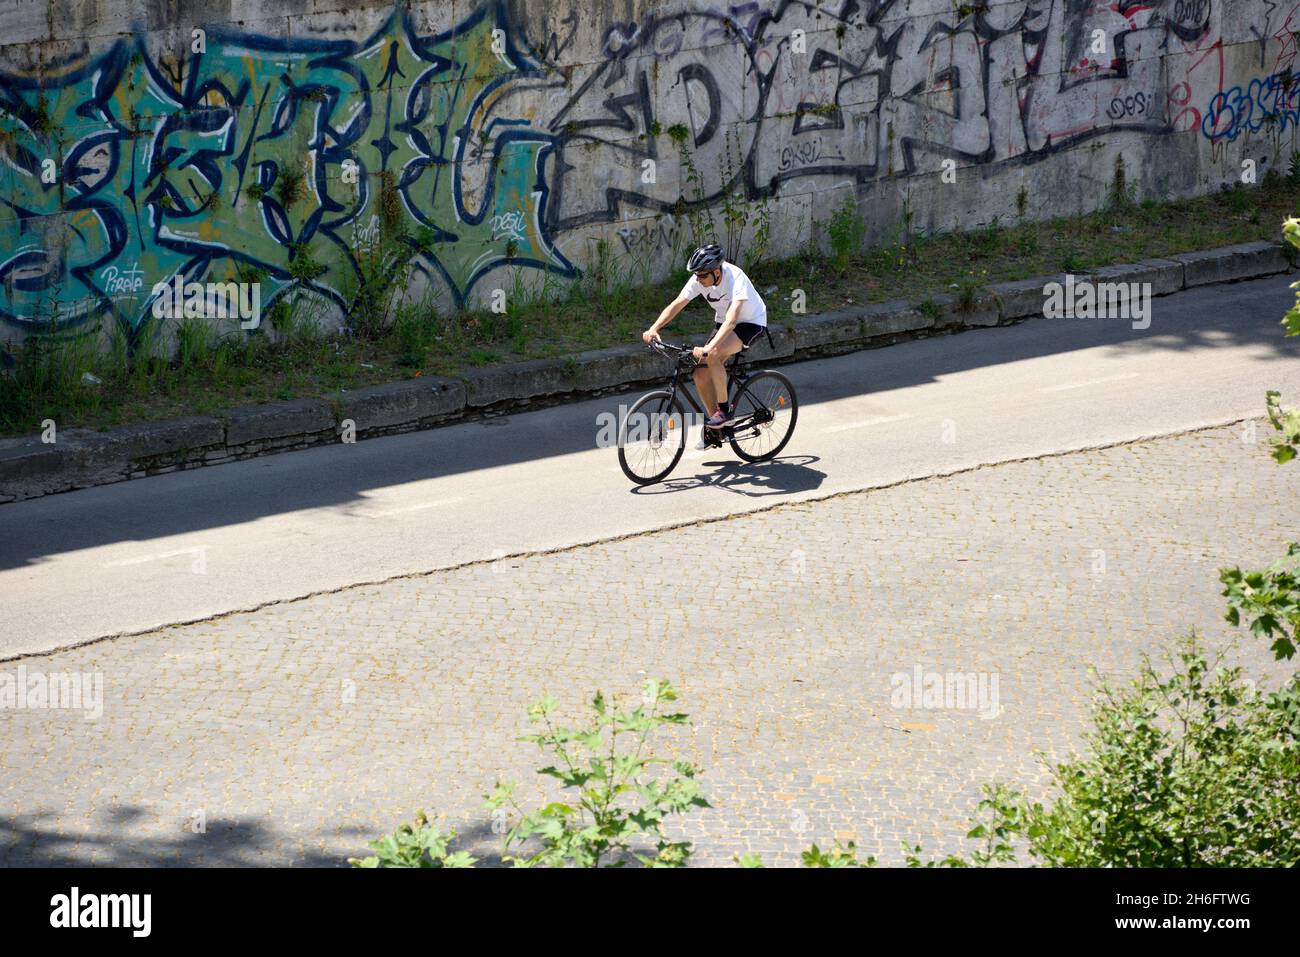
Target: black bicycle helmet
{"type": "Point", "coordinates": [705, 258]}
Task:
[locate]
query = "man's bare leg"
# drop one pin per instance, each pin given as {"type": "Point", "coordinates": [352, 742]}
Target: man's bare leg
{"type": "Point", "coordinates": [724, 350]}
{"type": "Point", "coordinates": [703, 376]}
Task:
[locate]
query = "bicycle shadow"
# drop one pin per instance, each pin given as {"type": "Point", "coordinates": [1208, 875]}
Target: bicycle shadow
{"type": "Point", "coordinates": [781, 476]}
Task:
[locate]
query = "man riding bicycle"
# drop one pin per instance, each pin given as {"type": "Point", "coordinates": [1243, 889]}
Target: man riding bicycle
{"type": "Point", "coordinates": [739, 316]}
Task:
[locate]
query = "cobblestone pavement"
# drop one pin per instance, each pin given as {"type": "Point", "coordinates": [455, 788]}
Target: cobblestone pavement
{"type": "Point", "coordinates": [297, 732]}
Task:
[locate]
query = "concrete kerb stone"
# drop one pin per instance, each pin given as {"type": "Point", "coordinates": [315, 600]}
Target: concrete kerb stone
{"type": "Point", "coordinates": [277, 419]}
{"type": "Point", "coordinates": [781, 347]}
{"type": "Point", "coordinates": [894, 317]}
{"type": "Point", "coordinates": [951, 314]}
{"type": "Point", "coordinates": [80, 458]}
{"type": "Point", "coordinates": [1164, 275]}
{"type": "Point", "coordinates": [618, 367]}
{"type": "Point", "coordinates": [1021, 298]}
{"type": "Point", "coordinates": [1232, 263]}
{"type": "Point", "coordinates": [30, 467]}
{"type": "Point", "coordinates": [427, 398]}
{"type": "Point", "coordinates": [983, 311]}
{"type": "Point", "coordinates": [147, 440]}
{"type": "Point", "coordinates": [592, 372]}
{"type": "Point", "coordinates": [827, 330]}
{"type": "Point", "coordinates": [514, 383]}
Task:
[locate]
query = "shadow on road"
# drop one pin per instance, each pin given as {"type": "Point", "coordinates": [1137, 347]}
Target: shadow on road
{"type": "Point", "coordinates": [781, 476]}
{"type": "Point", "coordinates": [41, 839]}
{"type": "Point", "coordinates": [339, 477]}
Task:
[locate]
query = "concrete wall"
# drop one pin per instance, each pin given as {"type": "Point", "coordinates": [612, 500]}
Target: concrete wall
{"type": "Point", "coordinates": [513, 142]}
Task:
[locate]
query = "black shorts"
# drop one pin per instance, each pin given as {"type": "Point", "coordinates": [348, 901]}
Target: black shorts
{"type": "Point", "coordinates": [747, 331]}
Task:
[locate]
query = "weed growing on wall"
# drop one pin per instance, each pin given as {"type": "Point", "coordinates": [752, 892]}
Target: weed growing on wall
{"type": "Point", "coordinates": [303, 267]}
{"type": "Point", "coordinates": [1123, 194]}
{"type": "Point", "coordinates": [697, 216]}
{"type": "Point", "coordinates": [989, 239]}
{"type": "Point", "coordinates": [761, 238]}
{"type": "Point", "coordinates": [846, 230]}
{"type": "Point", "coordinates": [290, 183]}
{"type": "Point", "coordinates": [735, 215]}
{"type": "Point", "coordinates": [899, 249]}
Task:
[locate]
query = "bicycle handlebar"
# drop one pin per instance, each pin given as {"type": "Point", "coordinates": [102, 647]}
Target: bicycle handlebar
{"type": "Point", "coordinates": [681, 352]}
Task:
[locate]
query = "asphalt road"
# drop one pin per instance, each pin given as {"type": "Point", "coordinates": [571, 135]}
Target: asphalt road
{"type": "Point", "coordinates": [130, 557]}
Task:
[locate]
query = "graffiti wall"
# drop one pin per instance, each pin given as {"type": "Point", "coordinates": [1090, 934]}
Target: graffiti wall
{"type": "Point", "coordinates": [316, 146]}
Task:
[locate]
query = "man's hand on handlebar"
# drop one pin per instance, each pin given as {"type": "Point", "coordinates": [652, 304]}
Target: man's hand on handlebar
{"type": "Point", "coordinates": [650, 336]}
{"type": "Point", "coordinates": [700, 353]}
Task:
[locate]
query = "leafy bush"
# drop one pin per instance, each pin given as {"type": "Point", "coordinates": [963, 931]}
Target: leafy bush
{"type": "Point", "coordinates": [1192, 769]}
{"type": "Point", "coordinates": [841, 855]}
{"type": "Point", "coordinates": [617, 805]}
{"type": "Point", "coordinates": [1270, 598]}
{"type": "Point", "coordinates": [614, 800]}
{"type": "Point", "coordinates": [1286, 444]}
{"type": "Point", "coordinates": [421, 845]}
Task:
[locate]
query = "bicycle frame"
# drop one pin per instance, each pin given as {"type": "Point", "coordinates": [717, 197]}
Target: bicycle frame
{"type": "Point", "coordinates": [737, 376]}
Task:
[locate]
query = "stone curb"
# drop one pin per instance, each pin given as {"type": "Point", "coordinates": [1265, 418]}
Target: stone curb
{"type": "Point", "coordinates": [80, 458]}
{"type": "Point", "coordinates": [372, 409]}
{"type": "Point", "coordinates": [1231, 263]}
{"type": "Point", "coordinates": [277, 420]}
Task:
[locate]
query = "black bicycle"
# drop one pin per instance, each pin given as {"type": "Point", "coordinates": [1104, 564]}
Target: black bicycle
{"type": "Point", "coordinates": [652, 436]}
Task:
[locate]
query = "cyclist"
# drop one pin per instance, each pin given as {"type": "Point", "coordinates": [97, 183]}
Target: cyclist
{"type": "Point", "coordinates": [739, 315]}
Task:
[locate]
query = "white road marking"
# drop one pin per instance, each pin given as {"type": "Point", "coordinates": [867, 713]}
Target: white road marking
{"type": "Point", "coordinates": [878, 420]}
{"type": "Point", "coordinates": [199, 553]}
{"type": "Point", "coordinates": [1088, 382]}
{"type": "Point", "coordinates": [410, 508]}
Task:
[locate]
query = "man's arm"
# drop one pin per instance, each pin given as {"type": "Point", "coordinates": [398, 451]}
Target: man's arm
{"type": "Point", "coordinates": [665, 317]}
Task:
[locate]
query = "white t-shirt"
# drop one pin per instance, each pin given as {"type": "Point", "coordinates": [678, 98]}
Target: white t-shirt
{"type": "Point", "coordinates": [734, 287]}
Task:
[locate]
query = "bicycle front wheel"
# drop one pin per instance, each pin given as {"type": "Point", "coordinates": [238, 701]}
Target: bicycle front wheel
{"type": "Point", "coordinates": [652, 437]}
{"type": "Point", "coordinates": [766, 411]}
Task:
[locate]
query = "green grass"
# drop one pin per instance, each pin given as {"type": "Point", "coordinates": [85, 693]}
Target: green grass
{"type": "Point", "coordinates": [610, 305]}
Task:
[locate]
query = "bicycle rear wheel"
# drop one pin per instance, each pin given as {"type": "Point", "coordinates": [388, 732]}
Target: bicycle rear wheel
{"type": "Point", "coordinates": [652, 437]}
{"type": "Point", "coordinates": [768, 409]}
